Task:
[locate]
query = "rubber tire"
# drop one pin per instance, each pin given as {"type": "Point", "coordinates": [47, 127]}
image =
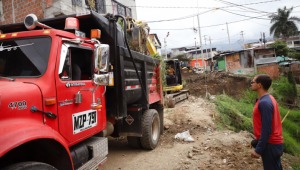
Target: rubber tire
{"type": "Point", "coordinates": [134, 142]}
{"type": "Point", "coordinates": [30, 166]}
{"type": "Point", "coordinates": [150, 129]}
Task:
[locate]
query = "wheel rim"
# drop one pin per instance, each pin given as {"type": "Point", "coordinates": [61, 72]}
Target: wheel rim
{"type": "Point", "coordinates": [155, 128]}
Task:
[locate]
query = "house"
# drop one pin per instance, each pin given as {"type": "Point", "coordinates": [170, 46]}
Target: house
{"type": "Point", "coordinates": [195, 55]}
{"type": "Point", "coordinates": [261, 52]}
{"type": "Point", "coordinates": [293, 42]}
{"type": "Point", "coordinates": [268, 66]}
{"type": "Point", "coordinates": [16, 12]}
{"type": "Point", "coordinates": [239, 62]}
{"type": "Point", "coordinates": [244, 61]}
{"type": "Point", "coordinates": [288, 64]}
{"type": "Point", "coordinates": [178, 51]}
{"type": "Point", "coordinates": [156, 42]}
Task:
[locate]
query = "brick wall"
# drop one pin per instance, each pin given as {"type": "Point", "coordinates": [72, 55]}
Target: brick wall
{"type": "Point", "coordinates": [22, 8]}
{"type": "Point", "coordinates": [271, 69]}
{"type": "Point", "coordinates": [233, 62]}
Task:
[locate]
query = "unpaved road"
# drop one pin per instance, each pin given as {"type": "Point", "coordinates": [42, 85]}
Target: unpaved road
{"type": "Point", "coordinates": [212, 148]}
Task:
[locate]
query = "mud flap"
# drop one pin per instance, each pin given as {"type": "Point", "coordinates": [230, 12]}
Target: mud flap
{"type": "Point", "coordinates": [131, 124]}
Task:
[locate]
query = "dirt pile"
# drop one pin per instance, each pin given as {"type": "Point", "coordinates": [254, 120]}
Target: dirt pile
{"type": "Point", "coordinates": [215, 83]}
{"type": "Point", "coordinates": [213, 148]}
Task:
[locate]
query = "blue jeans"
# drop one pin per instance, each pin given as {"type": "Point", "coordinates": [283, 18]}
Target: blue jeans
{"type": "Point", "coordinates": [271, 157]}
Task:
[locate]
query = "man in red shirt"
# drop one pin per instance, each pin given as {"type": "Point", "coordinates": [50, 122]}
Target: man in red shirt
{"type": "Point", "coordinates": [267, 125]}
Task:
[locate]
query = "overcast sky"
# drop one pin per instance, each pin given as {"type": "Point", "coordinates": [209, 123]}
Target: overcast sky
{"type": "Point", "coordinates": [213, 17]}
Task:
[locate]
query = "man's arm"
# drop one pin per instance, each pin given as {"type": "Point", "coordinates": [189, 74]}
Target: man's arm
{"type": "Point", "coordinates": [266, 110]}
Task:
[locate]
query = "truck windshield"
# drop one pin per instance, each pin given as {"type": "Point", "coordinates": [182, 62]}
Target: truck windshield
{"type": "Point", "coordinates": [27, 57]}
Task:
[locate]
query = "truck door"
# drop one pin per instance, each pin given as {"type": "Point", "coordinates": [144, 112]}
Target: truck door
{"type": "Point", "coordinates": [76, 118]}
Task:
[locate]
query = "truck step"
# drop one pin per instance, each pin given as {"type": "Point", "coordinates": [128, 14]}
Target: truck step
{"type": "Point", "coordinates": [99, 150]}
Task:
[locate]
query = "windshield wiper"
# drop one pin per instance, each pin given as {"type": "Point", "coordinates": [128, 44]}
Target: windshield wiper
{"type": "Point", "coordinates": [8, 78]}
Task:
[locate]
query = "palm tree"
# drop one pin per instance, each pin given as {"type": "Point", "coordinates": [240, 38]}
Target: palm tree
{"type": "Point", "coordinates": [283, 24]}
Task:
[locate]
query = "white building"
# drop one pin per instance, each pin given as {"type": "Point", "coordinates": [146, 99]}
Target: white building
{"type": "Point", "coordinates": [64, 7]}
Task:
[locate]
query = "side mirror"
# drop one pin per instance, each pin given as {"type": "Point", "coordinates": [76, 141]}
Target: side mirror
{"type": "Point", "coordinates": [101, 64]}
{"type": "Point", "coordinates": [102, 58]}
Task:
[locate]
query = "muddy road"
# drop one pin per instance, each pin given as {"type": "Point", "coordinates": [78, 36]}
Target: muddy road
{"type": "Point", "coordinates": [213, 148]}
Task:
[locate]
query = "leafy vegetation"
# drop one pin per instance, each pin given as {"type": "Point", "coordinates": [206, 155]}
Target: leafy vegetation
{"type": "Point", "coordinates": [284, 89]}
{"type": "Point", "coordinates": [162, 68]}
{"type": "Point", "coordinates": [281, 48]}
{"type": "Point", "coordinates": [293, 53]}
{"type": "Point", "coordinates": [283, 25]}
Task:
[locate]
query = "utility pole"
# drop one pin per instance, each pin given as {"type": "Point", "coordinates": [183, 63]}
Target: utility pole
{"type": "Point", "coordinates": [261, 40]}
{"type": "Point", "coordinates": [205, 45]}
{"type": "Point", "coordinates": [204, 65]}
{"type": "Point", "coordinates": [195, 48]}
{"type": "Point", "coordinates": [165, 41]}
{"type": "Point", "coordinates": [228, 37]}
{"type": "Point", "coordinates": [264, 39]}
{"type": "Point", "coordinates": [242, 33]}
{"type": "Point", "coordinates": [210, 49]}
{"type": "Point", "coordinates": [200, 38]}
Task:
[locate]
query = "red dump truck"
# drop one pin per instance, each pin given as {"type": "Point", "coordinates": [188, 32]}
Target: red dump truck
{"type": "Point", "coordinates": [66, 84]}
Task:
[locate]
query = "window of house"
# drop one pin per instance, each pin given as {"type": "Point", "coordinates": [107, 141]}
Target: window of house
{"type": "Point", "coordinates": [100, 6]}
{"type": "Point", "coordinates": [77, 65]}
{"type": "Point", "coordinates": [121, 9]}
{"type": "Point", "coordinates": [77, 2]}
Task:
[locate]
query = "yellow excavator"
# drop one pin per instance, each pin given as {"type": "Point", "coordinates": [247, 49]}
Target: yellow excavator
{"type": "Point", "coordinates": [140, 41]}
{"type": "Point", "coordinates": [173, 90]}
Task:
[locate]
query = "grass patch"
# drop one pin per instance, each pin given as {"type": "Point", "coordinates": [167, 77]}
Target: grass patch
{"type": "Point", "coordinates": [237, 115]}
{"type": "Point", "coordinates": [232, 116]}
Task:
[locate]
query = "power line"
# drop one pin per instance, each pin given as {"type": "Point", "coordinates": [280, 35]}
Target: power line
{"type": "Point", "coordinates": [242, 6]}
{"type": "Point", "coordinates": [185, 17]}
{"type": "Point", "coordinates": [249, 18]}
{"type": "Point", "coordinates": [254, 3]}
{"type": "Point", "coordinates": [244, 15]}
{"type": "Point", "coordinates": [221, 8]}
{"type": "Point", "coordinates": [214, 25]}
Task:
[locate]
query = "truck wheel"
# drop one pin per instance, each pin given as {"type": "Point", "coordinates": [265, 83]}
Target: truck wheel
{"type": "Point", "coordinates": [30, 166]}
{"type": "Point", "coordinates": [134, 142]}
{"type": "Point", "coordinates": [150, 129]}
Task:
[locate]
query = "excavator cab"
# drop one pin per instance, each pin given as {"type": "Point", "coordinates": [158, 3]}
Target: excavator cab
{"type": "Point", "coordinates": [173, 75]}
{"type": "Point", "coordinates": [174, 87]}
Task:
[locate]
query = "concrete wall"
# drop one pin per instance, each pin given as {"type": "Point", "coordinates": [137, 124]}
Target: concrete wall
{"type": "Point", "coordinates": [65, 7]}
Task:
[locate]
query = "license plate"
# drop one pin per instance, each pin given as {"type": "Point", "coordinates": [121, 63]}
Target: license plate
{"type": "Point", "coordinates": [84, 120]}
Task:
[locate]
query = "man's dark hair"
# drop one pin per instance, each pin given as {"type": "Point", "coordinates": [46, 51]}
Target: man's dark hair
{"type": "Point", "coordinates": [264, 80]}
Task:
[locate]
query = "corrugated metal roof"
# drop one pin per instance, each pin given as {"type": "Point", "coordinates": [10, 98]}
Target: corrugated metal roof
{"type": "Point", "coordinates": [266, 60]}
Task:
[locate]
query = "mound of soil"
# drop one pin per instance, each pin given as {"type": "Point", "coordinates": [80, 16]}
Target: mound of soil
{"type": "Point", "coordinates": [215, 83]}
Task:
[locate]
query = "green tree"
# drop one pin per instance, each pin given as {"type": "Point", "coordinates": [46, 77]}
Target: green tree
{"type": "Point", "coordinates": [293, 53]}
{"type": "Point", "coordinates": [283, 25]}
{"type": "Point", "coordinates": [280, 48]}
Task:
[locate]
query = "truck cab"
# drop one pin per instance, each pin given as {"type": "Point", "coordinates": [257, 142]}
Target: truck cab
{"type": "Point", "coordinates": [64, 88]}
